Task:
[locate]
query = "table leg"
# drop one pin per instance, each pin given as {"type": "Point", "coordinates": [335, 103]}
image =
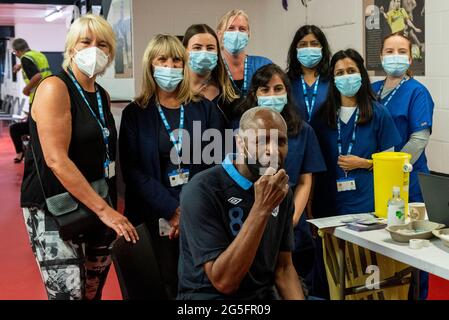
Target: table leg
{"type": "Point", "coordinates": [342, 268]}
{"type": "Point", "coordinates": [416, 284]}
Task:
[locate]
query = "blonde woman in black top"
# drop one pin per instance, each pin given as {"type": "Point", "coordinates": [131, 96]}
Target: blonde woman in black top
{"type": "Point", "coordinates": [74, 140]}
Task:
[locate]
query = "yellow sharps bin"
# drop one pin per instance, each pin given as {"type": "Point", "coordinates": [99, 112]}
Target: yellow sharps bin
{"type": "Point", "coordinates": [390, 169]}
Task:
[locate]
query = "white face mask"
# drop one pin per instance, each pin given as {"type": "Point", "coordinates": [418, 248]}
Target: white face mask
{"type": "Point", "coordinates": [91, 61]}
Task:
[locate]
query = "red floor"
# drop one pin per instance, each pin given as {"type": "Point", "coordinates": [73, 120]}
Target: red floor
{"type": "Point", "coordinates": [19, 275]}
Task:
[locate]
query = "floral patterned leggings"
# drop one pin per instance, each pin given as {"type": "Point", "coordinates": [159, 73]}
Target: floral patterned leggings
{"type": "Point", "coordinates": [70, 270]}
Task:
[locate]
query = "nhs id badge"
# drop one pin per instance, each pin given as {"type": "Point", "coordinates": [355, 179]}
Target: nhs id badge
{"type": "Point", "coordinates": [346, 184]}
{"type": "Point", "coordinates": [183, 176]}
{"type": "Point", "coordinates": [109, 169]}
{"type": "Point", "coordinates": [178, 177]}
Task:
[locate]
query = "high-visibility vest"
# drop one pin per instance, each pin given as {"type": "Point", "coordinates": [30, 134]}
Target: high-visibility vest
{"type": "Point", "coordinates": [41, 62]}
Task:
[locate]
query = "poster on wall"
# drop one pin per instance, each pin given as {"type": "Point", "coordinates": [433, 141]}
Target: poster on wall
{"type": "Point", "coordinates": [120, 18]}
{"type": "Point", "coordinates": [384, 17]}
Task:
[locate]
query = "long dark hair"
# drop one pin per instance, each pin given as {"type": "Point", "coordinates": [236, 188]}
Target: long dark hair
{"type": "Point", "coordinates": [219, 73]}
{"type": "Point", "coordinates": [294, 67]}
{"type": "Point", "coordinates": [365, 96]}
{"type": "Point", "coordinates": [260, 79]}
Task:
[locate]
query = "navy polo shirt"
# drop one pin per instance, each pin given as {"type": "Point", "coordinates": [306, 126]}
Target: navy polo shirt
{"type": "Point", "coordinates": [214, 206]}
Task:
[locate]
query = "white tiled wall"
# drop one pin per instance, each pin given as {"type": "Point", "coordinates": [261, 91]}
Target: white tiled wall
{"type": "Point", "coordinates": [437, 81]}
{"type": "Point", "coordinates": [342, 22]}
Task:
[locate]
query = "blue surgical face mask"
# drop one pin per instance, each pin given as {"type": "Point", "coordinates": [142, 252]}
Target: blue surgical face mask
{"type": "Point", "coordinates": [235, 41]}
{"type": "Point", "coordinates": [202, 61]}
{"type": "Point", "coordinates": [396, 65]}
{"type": "Point", "coordinates": [276, 103]}
{"type": "Point", "coordinates": [168, 78]}
{"type": "Point", "coordinates": [309, 57]}
{"type": "Point", "coordinates": [349, 84]}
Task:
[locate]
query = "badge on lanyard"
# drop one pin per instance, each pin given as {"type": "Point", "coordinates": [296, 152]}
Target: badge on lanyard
{"type": "Point", "coordinates": [346, 183]}
{"type": "Point", "coordinates": [178, 177]}
{"type": "Point", "coordinates": [108, 165]}
{"type": "Point", "coordinates": [109, 169]}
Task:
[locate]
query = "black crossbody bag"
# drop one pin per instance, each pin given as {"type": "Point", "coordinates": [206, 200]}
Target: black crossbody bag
{"type": "Point", "coordinates": [72, 217]}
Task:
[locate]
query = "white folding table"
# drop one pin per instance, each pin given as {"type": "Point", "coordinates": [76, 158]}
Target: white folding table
{"type": "Point", "coordinates": [433, 259]}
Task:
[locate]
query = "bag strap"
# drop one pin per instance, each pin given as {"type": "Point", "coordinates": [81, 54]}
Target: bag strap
{"type": "Point", "coordinates": [37, 169]}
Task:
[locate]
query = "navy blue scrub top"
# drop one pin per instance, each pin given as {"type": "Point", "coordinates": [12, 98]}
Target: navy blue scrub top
{"type": "Point", "coordinates": [304, 156]}
{"type": "Point", "coordinates": [412, 111]}
{"type": "Point", "coordinates": [298, 94]}
{"type": "Point", "coordinates": [380, 134]}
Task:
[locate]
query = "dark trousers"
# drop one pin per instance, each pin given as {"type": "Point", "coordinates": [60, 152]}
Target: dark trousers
{"type": "Point", "coordinates": [319, 286]}
{"type": "Point", "coordinates": [17, 130]}
{"type": "Point", "coordinates": [167, 255]}
{"type": "Point", "coordinates": [304, 262]}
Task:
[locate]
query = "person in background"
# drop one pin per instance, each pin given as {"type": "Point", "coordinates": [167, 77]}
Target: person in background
{"type": "Point", "coordinates": [270, 87]}
{"type": "Point", "coordinates": [411, 107]}
{"type": "Point", "coordinates": [350, 127]}
{"type": "Point", "coordinates": [17, 131]}
{"type": "Point", "coordinates": [73, 136]}
{"type": "Point", "coordinates": [233, 30]}
{"type": "Point", "coordinates": [35, 68]}
{"type": "Point", "coordinates": [156, 145]}
{"type": "Point", "coordinates": [209, 77]}
{"type": "Point", "coordinates": [236, 228]}
{"type": "Point", "coordinates": [308, 64]}
{"type": "Point", "coordinates": [308, 69]}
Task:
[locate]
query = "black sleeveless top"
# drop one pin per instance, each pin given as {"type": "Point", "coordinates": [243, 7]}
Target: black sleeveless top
{"type": "Point", "coordinates": [86, 149]}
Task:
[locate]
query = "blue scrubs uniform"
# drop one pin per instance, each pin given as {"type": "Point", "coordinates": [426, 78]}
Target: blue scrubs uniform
{"type": "Point", "coordinates": [252, 64]}
{"type": "Point", "coordinates": [298, 94]}
{"type": "Point", "coordinates": [378, 135]}
{"type": "Point", "coordinates": [412, 111]}
{"type": "Point", "coordinates": [304, 156]}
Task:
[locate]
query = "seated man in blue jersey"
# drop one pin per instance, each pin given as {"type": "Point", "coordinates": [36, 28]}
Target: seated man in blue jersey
{"type": "Point", "coordinates": [236, 233]}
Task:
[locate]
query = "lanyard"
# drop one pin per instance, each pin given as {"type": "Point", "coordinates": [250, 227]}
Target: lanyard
{"type": "Point", "coordinates": [244, 89]}
{"type": "Point", "coordinates": [176, 143]}
{"type": "Point", "coordinates": [339, 140]}
{"type": "Point", "coordinates": [310, 105]}
{"type": "Point", "coordinates": [379, 94]}
{"type": "Point", "coordinates": [101, 122]}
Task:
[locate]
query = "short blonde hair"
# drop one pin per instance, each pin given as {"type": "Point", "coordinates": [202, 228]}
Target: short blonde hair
{"type": "Point", "coordinates": [228, 18]}
{"type": "Point", "coordinates": [80, 27]}
{"type": "Point", "coordinates": [171, 47]}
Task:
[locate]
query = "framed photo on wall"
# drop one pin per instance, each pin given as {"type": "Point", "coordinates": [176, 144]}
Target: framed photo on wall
{"type": "Point", "coordinates": [119, 16]}
{"type": "Point", "coordinates": [384, 17]}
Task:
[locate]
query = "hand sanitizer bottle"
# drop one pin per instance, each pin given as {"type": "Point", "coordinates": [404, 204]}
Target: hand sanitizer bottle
{"type": "Point", "coordinates": [396, 208]}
